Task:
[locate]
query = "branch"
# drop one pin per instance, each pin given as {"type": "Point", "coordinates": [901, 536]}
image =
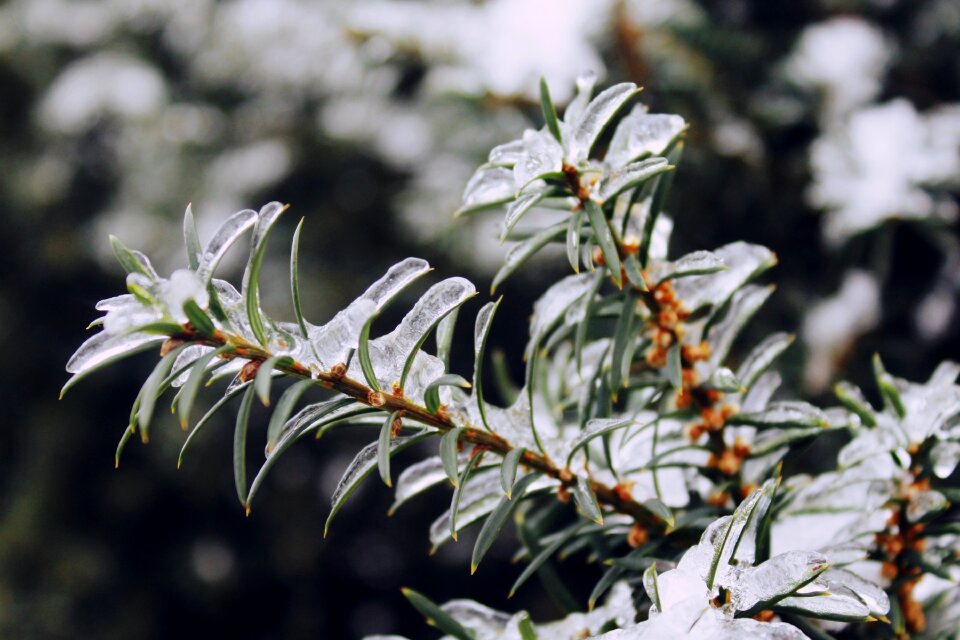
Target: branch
{"type": "Point", "coordinates": [336, 380]}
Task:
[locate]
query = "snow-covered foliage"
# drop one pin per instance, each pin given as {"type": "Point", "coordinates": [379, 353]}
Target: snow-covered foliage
{"type": "Point", "coordinates": [881, 164]}
{"type": "Point", "coordinates": [639, 408]}
{"type": "Point", "coordinates": [872, 163]}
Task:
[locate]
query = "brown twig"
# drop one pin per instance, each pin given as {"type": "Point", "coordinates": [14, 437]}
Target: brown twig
{"type": "Point", "coordinates": [337, 380]}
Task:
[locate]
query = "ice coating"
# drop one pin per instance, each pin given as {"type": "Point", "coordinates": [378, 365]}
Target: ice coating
{"type": "Point", "coordinates": [618, 607]}
{"type": "Point", "coordinates": [698, 559]}
{"type": "Point", "coordinates": [743, 262]}
{"type": "Point", "coordinates": [788, 413]}
{"type": "Point", "coordinates": [128, 315]}
{"type": "Point", "coordinates": [477, 498]}
{"type": "Point", "coordinates": [870, 594]}
{"type": "Point", "coordinates": [945, 456]}
{"type": "Point", "coordinates": [512, 423]}
{"type": "Point", "coordinates": [542, 155]}
{"type": "Point", "coordinates": [517, 208]}
{"type": "Point", "coordinates": [679, 584]}
{"type": "Point", "coordinates": [360, 466]}
{"type": "Point", "coordinates": [623, 178]}
{"type": "Point", "coordinates": [585, 84]}
{"type": "Point", "coordinates": [640, 133]}
{"type": "Point", "coordinates": [757, 505]}
{"type": "Point", "coordinates": [182, 286]}
{"type": "Point", "coordinates": [694, 620]}
{"type": "Point", "coordinates": [833, 606]}
{"type": "Point", "coordinates": [506, 154]}
{"type": "Point", "coordinates": [307, 418]}
{"type": "Point", "coordinates": [856, 491]}
{"type": "Point", "coordinates": [846, 553]}
{"type": "Point", "coordinates": [587, 125]}
{"type": "Point", "coordinates": [105, 347]}
{"type": "Point", "coordinates": [554, 303]}
{"type": "Point", "coordinates": [929, 408]}
{"type": "Point", "coordinates": [489, 624]}
{"type": "Point", "coordinates": [660, 238]}
{"type": "Point", "coordinates": [721, 334]}
{"type": "Point", "coordinates": [389, 353]}
{"type": "Point", "coordinates": [945, 375]}
{"type": "Point", "coordinates": [870, 443]}
{"type": "Point", "coordinates": [486, 623]}
{"type": "Point", "coordinates": [600, 426]}
{"type": "Point", "coordinates": [232, 303]}
{"type": "Point", "coordinates": [762, 356]}
{"type": "Point", "coordinates": [778, 576]}
{"type": "Point", "coordinates": [482, 327]}
{"type": "Point", "coordinates": [224, 237]}
{"type": "Point", "coordinates": [268, 215]}
{"type": "Point", "coordinates": [116, 302]}
{"type": "Point", "coordinates": [421, 476]}
{"type": "Point", "coordinates": [925, 502]}
{"type": "Point", "coordinates": [743, 522]}
{"type": "Point", "coordinates": [425, 369]}
{"type": "Point", "coordinates": [715, 626]}
{"type": "Point", "coordinates": [489, 185]}
{"type": "Point", "coordinates": [334, 340]}
{"type": "Point", "coordinates": [188, 355]}
{"type": "Point", "coordinates": [697, 262]}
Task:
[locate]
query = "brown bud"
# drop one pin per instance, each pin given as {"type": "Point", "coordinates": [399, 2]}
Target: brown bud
{"type": "Point", "coordinates": [729, 463]}
{"type": "Point", "coordinates": [249, 370]}
{"type": "Point", "coordinates": [664, 293]}
{"type": "Point", "coordinates": [563, 494]}
{"type": "Point", "coordinates": [718, 499]}
{"type": "Point", "coordinates": [712, 419]}
{"type": "Point", "coordinates": [747, 489]}
{"type": "Point", "coordinates": [638, 536]}
{"type": "Point", "coordinates": [656, 357]}
{"type": "Point", "coordinates": [888, 570]}
{"type": "Point", "coordinates": [170, 344]}
{"type": "Point", "coordinates": [728, 410]}
{"type": "Point", "coordinates": [764, 616]}
{"type": "Point", "coordinates": [663, 339]}
{"type": "Point", "coordinates": [667, 318]}
{"type": "Point", "coordinates": [623, 490]}
{"type": "Point", "coordinates": [376, 399]}
{"type": "Point", "coordinates": [338, 370]}
{"type": "Point", "coordinates": [741, 449]}
{"type": "Point", "coordinates": [694, 431]}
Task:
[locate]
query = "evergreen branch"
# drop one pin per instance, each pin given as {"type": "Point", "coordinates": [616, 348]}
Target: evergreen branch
{"type": "Point", "coordinates": [336, 380]}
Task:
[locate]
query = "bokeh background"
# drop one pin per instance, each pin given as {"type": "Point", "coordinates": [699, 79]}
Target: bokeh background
{"type": "Point", "coordinates": [828, 130]}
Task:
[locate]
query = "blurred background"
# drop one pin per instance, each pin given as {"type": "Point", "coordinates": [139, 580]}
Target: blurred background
{"type": "Point", "coordinates": [828, 130]}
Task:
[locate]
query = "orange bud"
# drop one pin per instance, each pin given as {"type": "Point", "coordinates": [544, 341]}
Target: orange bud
{"type": "Point", "coordinates": [249, 371]}
{"type": "Point", "coordinates": [638, 536]}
